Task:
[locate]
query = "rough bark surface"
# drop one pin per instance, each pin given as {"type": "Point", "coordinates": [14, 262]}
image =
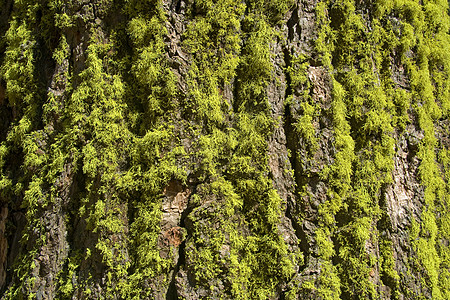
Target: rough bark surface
{"type": "Point", "coordinates": [276, 149]}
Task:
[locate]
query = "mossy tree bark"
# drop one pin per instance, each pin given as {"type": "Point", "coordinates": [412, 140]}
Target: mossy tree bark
{"type": "Point", "coordinates": [272, 149]}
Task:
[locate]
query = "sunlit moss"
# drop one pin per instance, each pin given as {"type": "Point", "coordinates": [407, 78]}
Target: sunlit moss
{"type": "Point", "coordinates": [123, 123]}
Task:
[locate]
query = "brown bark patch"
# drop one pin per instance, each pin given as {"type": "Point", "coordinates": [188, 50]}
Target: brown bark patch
{"type": "Point", "coordinates": [172, 237]}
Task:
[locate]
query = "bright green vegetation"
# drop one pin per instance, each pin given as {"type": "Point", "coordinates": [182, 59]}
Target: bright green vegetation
{"type": "Point", "coordinates": [243, 195]}
{"type": "Point", "coordinates": [369, 112]}
{"type": "Point", "coordinates": [93, 138]}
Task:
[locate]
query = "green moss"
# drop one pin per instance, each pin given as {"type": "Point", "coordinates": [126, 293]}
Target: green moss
{"type": "Point", "coordinates": [114, 134]}
{"type": "Point", "coordinates": [387, 268]}
{"type": "Point", "coordinates": [368, 108]}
